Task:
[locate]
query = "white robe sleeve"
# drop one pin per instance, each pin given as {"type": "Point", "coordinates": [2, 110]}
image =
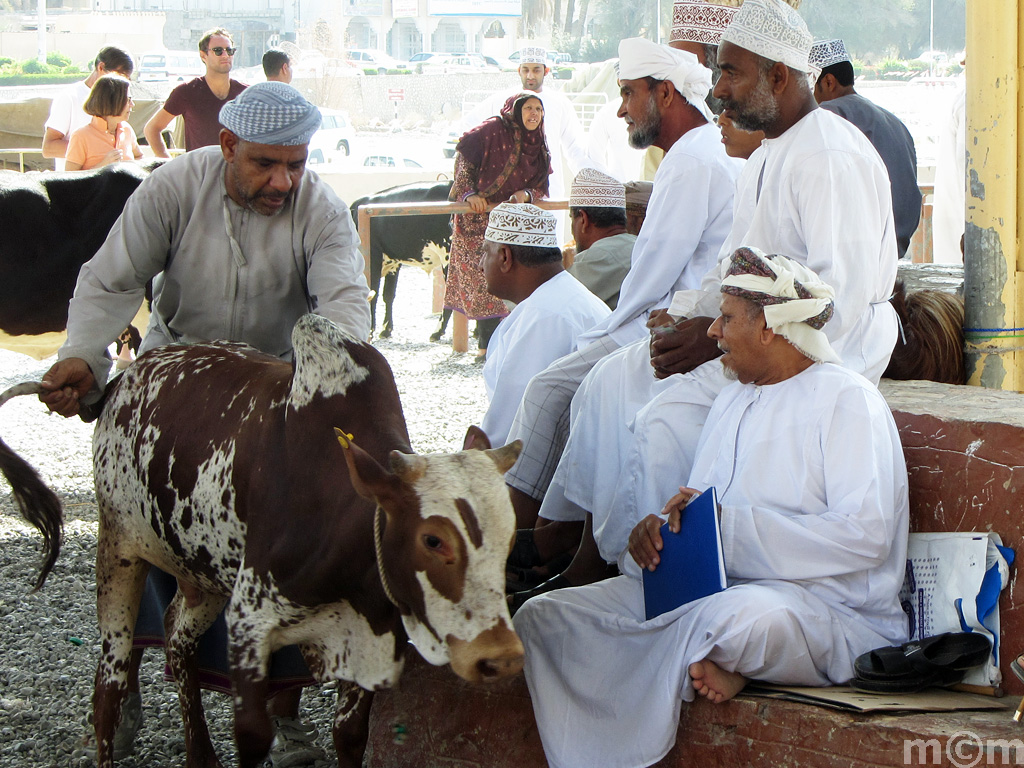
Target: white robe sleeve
{"type": "Point", "coordinates": [860, 524]}
{"type": "Point", "coordinates": [334, 279]}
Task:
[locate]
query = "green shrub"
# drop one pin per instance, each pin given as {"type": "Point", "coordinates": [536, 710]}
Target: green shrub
{"type": "Point", "coordinates": [33, 67]}
{"type": "Point", "coordinates": [56, 59]}
{"type": "Point", "coordinates": [369, 71]}
{"type": "Point", "coordinates": [399, 71]}
{"type": "Point", "coordinates": [54, 78]}
{"type": "Point", "coordinates": [6, 61]}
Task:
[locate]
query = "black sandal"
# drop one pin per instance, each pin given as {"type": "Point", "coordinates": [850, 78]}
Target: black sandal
{"type": "Point", "coordinates": [524, 552]}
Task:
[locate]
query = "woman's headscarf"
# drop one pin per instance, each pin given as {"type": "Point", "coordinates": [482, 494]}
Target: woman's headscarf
{"type": "Point", "coordinates": [508, 157]}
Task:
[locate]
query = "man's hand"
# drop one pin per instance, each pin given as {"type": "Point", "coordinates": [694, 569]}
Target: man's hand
{"type": "Point", "coordinates": [67, 382]}
{"type": "Point", "coordinates": [659, 318]}
{"type": "Point", "coordinates": [682, 346]}
{"type": "Point", "coordinates": [645, 539]}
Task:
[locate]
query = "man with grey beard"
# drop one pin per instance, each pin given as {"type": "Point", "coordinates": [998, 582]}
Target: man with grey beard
{"type": "Point", "coordinates": [815, 190]}
{"type": "Point", "coordinates": [689, 215]}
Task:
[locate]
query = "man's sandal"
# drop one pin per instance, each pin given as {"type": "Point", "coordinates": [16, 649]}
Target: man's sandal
{"type": "Point", "coordinates": [934, 661]}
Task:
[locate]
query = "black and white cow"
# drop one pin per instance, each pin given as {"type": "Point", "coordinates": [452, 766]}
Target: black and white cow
{"type": "Point", "coordinates": [402, 238]}
{"type": "Point", "coordinates": [219, 465]}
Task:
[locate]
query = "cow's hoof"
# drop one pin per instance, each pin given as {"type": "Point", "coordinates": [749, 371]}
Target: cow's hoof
{"type": "Point", "coordinates": [385, 333]}
{"type": "Point", "coordinates": [436, 336]}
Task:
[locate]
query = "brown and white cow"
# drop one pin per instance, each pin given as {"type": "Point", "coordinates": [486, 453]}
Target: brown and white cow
{"type": "Point", "coordinates": [221, 465]}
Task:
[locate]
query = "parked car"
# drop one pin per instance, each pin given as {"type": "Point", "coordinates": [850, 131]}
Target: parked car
{"type": "Point", "coordinates": [372, 59]}
{"type": "Point", "coordinates": [389, 161]}
{"type": "Point", "coordinates": [161, 66]}
{"type": "Point", "coordinates": [334, 137]}
{"type": "Point", "coordinates": [455, 63]}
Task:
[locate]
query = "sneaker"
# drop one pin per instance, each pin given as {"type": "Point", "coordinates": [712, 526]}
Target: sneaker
{"type": "Point", "coordinates": [124, 736]}
{"type": "Point", "coordinates": [294, 744]}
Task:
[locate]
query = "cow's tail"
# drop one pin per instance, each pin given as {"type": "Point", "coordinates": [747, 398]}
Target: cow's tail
{"type": "Point", "coordinates": [37, 503]}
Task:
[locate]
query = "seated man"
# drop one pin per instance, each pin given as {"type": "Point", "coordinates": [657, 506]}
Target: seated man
{"type": "Point", "coordinates": [812, 486]}
{"type": "Point", "coordinates": [522, 263]}
{"type": "Point", "coordinates": [604, 247]}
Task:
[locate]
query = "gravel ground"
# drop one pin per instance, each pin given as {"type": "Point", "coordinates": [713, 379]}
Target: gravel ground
{"type": "Point", "coordinates": [49, 640]}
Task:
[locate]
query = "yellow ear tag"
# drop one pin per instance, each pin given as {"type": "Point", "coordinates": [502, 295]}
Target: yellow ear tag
{"type": "Point", "coordinates": [344, 438]}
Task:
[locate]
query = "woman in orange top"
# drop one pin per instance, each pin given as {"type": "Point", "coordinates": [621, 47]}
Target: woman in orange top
{"type": "Point", "coordinates": [107, 138]}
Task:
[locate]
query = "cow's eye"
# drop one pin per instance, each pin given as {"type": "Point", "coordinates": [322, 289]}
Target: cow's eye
{"type": "Point", "coordinates": [432, 542]}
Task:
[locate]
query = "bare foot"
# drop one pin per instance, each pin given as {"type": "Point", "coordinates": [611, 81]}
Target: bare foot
{"type": "Point", "coordinates": [714, 683]}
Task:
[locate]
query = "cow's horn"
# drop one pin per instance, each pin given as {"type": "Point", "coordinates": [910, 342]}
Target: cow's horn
{"type": "Point", "coordinates": [506, 456]}
{"type": "Point", "coordinates": [408, 467]}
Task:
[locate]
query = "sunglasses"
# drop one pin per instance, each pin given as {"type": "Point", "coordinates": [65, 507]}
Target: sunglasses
{"type": "Point", "coordinates": [218, 51]}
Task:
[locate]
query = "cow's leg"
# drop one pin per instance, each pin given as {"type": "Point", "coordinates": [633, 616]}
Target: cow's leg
{"type": "Point", "coordinates": [446, 315]}
{"type": "Point", "coordinates": [120, 580]}
{"type": "Point", "coordinates": [254, 732]}
{"type": "Point", "coordinates": [184, 623]}
{"type": "Point", "coordinates": [351, 724]}
{"type": "Point", "coordinates": [390, 287]}
{"type": "Point", "coordinates": [376, 266]}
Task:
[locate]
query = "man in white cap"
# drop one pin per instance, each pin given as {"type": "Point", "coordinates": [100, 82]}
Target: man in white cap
{"type": "Point", "coordinates": [240, 241]}
{"type": "Point", "coordinates": [566, 140]}
{"type": "Point", "coordinates": [812, 489]}
{"type": "Point", "coordinates": [817, 190]}
{"type": "Point", "coordinates": [834, 91]}
{"type": "Point", "coordinates": [690, 213]}
{"type": "Point", "coordinates": [522, 263]}
{"type": "Point", "coordinates": [604, 248]}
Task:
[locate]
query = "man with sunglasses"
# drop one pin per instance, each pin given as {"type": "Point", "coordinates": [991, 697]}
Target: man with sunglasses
{"type": "Point", "coordinates": [199, 101]}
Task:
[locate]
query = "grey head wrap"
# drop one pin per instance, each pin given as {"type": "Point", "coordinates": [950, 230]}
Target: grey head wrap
{"type": "Point", "coordinates": [271, 113]}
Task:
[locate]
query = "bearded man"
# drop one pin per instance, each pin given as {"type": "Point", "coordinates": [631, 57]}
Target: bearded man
{"type": "Point", "coordinates": [812, 484]}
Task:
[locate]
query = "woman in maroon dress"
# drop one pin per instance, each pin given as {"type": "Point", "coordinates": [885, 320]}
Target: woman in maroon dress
{"type": "Point", "coordinates": [503, 158]}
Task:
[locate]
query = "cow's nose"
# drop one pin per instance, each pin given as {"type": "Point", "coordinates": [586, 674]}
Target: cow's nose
{"type": "Point", "coordinates": [495, 669]}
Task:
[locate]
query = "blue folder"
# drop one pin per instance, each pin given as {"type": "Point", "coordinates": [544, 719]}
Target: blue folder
{"type": "Point", "coordinates": [692, 563]}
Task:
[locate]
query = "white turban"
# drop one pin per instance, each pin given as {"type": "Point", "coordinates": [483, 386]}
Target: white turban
{"type": "Point", "coordinates": [772, 29]}
{"type": "Point", "coordinates": [796, 302]}
{"type": "Point", "coordinates": [640, 58]}
{"type": "Point", "coordinates": [271, 113]}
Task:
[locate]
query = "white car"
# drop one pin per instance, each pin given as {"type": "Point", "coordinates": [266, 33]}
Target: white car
{"type": "Point", "coordinates": [333, 139]}
{"type": "Point", "coordinates": [455, 63]}
{"type": "Point", "coordinates": [174, 66]}
{"type": "Point", "coordinates": [389, 161]}
{"type": "Point", "coordinates": [371, 59]}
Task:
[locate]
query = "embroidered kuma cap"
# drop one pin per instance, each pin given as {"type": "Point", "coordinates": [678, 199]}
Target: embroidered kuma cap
{"type": "Point", "coordinates": [772, 29]}
{"type": "Point", "coordinates": [271, 113]}
{"type": "Point", "coordinates": [521, 224]}
{"type": "Point", "coordinates": [825, 53]}
{"type": "Point", "coordinates": [593, 189]}
{"type": "Point", "coordinates": [533, 54]}
{"type": "Point", "coordinates": [796, 302]}
{"type": "Point", "coordinates": [701, 21]}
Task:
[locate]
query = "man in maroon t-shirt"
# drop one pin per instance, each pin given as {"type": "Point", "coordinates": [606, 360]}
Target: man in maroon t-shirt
{"type": "Point", "coordinates": [200, 100]}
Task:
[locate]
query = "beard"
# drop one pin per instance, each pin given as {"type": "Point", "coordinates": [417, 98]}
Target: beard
{"type": "Point", "coordinates": [646, 129]}
{"type": "Point", "coordinates": [730, 374]}
{"type": "Point", "coordinates": [759, 112]}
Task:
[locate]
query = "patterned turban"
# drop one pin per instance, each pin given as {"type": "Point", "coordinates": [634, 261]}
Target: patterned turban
{"type": "Point", "coordinates": [533, 54]}
{"type": "Point", "coordinates": [701, 21]}
{"type": "Point", "coordinates": [772, 29]}
{"type": "Point", "coordinates": [593, 189]}
{"type": "Point", "coordinates": [796, 302]}
{"type": "Point", "coordinates": [521, 224]}
{"type": "Point", "coordinates": [271, 113]}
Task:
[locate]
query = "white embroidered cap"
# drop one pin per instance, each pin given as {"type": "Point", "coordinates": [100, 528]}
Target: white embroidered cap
{"type": "Point", "coordinates": [825, 53]}
{"type": "Point", "coordinates": [271, 113]}
{"type": "Point", "coordinates": [701, 21]}
{"type": "Point", "coordinates": [772, 29]}
{"type": "Point", "coordinates": [593, 189]}
{"type": "Point", "coordinates": [521, 224]}
{"type": "Point", "coordinates": [639, 58]}
{"type": "Point", "coordinates": [533, 54]}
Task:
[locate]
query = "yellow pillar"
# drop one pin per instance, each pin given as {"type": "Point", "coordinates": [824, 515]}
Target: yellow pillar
{"type": "Point", "coordinates": [994, 322]}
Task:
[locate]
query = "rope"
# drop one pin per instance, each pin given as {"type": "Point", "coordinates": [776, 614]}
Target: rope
{"type": "Point", "coordinates": [378, 546]}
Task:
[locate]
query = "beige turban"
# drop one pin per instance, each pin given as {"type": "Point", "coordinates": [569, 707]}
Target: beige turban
{"type": "Point", "coordinates": [772, 29]}
{"type": "Point", "coordinates": [642, 58]}
{"type": "Point", "coordinates": [796, 302]}
{"type": "Point", "coordinates": [638, 195]}
{"type": "Point", "coordinates": [521, 224]}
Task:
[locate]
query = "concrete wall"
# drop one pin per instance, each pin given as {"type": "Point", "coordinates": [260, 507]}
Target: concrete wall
{"type": "Point", "coordinates": [80, 36]}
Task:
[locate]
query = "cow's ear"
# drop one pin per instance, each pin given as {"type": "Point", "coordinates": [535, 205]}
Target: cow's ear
{"type": "Point", "coordinates": [506, 456]}
{"type": "Point", "coordinates": [369, 478]}
{"type": "Point", "coordinates": [476, 439]}
{"type": "Point", "coordinates": [408, 467]}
